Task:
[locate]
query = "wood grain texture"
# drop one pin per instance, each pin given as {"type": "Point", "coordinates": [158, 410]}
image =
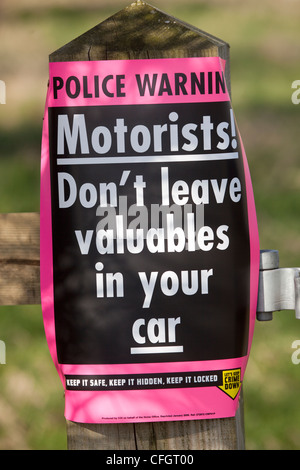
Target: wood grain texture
{"type": "Point", "coordinates": [214, 434]}
{"type": "Point", "coordinates": [19, 259]}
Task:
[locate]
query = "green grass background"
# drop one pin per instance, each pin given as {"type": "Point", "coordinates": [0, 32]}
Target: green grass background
{"type": "Point", "coordinates": [265, 60]}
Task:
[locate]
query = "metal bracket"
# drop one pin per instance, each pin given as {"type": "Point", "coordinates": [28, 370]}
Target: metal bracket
{"type": "Point", "coordinates": [279, 288]}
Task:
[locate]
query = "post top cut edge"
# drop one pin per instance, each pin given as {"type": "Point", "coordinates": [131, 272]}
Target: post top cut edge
{"type": "Point", "coordinates": [138, 29]}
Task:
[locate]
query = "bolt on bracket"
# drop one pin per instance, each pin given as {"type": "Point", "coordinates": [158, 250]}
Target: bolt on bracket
{"type": "Point", "coordinates": [279, 288]}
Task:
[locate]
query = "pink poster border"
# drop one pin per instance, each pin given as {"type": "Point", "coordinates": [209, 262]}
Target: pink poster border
{"type": "Point", "coordinates": [88, 406]}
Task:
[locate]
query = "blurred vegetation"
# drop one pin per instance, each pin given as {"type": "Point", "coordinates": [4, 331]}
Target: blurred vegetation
{"type": "Point", "coordinates": [265, 53]}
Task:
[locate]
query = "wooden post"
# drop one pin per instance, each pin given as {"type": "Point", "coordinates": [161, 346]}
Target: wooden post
{"type": "Point", "coordinates": [141, 31]}
{"type": "Point", "coordinates": [19, 259]}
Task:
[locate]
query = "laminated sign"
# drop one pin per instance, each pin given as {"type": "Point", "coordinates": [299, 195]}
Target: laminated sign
{"type": "Point", "coordinates": [149, 241]}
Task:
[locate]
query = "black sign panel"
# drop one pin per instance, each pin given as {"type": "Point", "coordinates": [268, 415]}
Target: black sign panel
{"type": "Point", "coordinates": [150, 234]}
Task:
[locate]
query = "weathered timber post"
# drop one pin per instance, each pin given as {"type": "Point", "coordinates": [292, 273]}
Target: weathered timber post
{"type": "Point", "coordinates": [141, 31]}
{"type": "Point", "coordinates": [20, 259]}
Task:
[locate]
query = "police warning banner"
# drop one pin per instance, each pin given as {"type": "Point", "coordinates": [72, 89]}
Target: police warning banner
{"type": "Point", "coordinates": [149, 241]}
